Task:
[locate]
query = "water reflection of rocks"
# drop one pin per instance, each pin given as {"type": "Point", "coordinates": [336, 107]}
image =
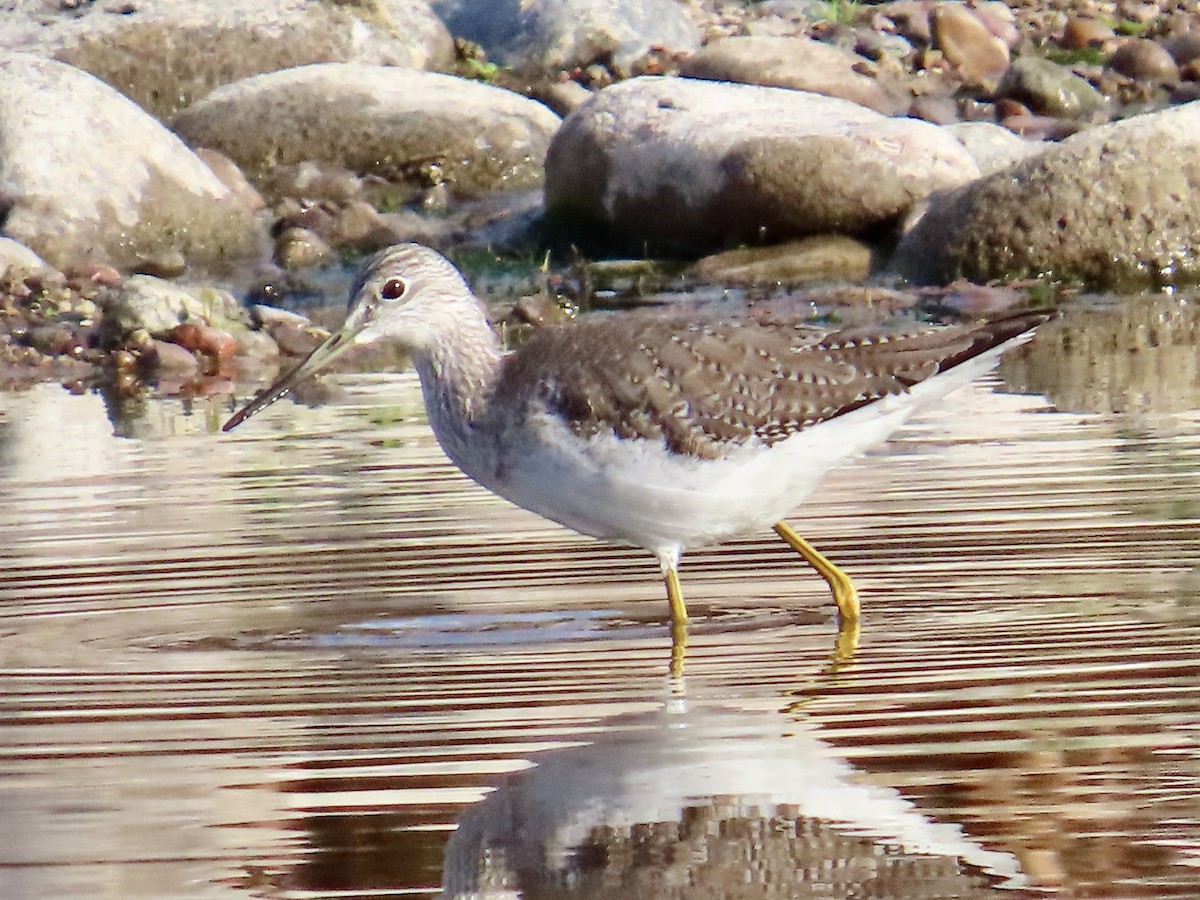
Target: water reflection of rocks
{"type": "Point", "coordinates": [708, 801]}
{"type": "Point", "coordinates": [1133, 358]}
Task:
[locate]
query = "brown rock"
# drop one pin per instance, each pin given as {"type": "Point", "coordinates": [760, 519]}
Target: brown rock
{"type": "Point", "coordinates": [1184, 46]}
{"type": "Point", "coordinates": [171, 359]}
{"type": "Point", "coordinates": [798, 63]}
{"type": "Point", "coordinates": [105, 276]}
{"type": "Point", "coordinates": [1144, 60]}
{"type": "Point", "coordinates": [1190, 71]}
{"type": "Point", "coordinates": [1083, 32]}
{"type": "Point", "coordinates": [1006, 108]}
{"type": "Point", "coordinates": [292, 339]}
{"type": "Point", "coordinates": [356, 223]}
{"type": "Point", "coordinates": [212, 342]}
{"type": "Point", "coordinates": [299, 248]}
{"type": "Point", "coordinates": [967, 44]}
{"type": "Point", "coordinates": [823, 258]}
{"type": "Point", "coordinates": [1040, 128]}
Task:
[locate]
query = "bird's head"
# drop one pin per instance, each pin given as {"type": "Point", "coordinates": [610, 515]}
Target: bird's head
{"type": "Point", "coordinates": [407, 293]}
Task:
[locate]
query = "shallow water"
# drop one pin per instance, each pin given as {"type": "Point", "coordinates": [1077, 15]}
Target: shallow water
{"type": "Point", "coordinates": [310, 659]}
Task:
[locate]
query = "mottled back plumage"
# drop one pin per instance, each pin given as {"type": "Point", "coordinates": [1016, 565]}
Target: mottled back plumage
{"type": "Point", "coordinates": [707, 385]}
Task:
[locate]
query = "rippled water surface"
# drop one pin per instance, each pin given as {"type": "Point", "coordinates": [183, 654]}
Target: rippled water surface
{"type": "Point", "coordinates": [310, 660]}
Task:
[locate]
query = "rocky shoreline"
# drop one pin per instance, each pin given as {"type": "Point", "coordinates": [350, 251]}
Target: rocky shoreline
{"type": "Point", "coordinates": [173, 169]}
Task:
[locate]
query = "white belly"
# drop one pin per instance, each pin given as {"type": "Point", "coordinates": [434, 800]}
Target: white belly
{"type": "Point", "coordinates": [639, 493]}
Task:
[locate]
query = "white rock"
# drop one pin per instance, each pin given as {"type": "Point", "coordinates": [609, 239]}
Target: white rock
{"type": "Point", "coordinates": [686, 164]}
{"type": "Point", "coordinates": [91, 178]}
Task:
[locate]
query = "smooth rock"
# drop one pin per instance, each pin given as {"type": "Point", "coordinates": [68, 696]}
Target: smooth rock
{"type": "Point", "coordinates": [1050, 89]}
{"type": "Point", "coordinates": [791, 62]}
{"type": "Point", "coordinates": [90, 178]}
{"type": "Point", "coordinates": [1184, 46]}
{"type": "Point", "coordinates": [824, 258]}
{"type": "Point", "coordinates": [215, 343]}
{"type": "Point", "coordinates": [561, 96]}
{"type": "Point", "coordinates": [156, 306]}
{"type": "Point", "coordinates": [254, 344]}
{"type": "Point", "coordinates": [172, 359]}
{"type": "Point", "coordinates": [166, 54]}
{"type": "Point", "coordinates": [690, 165]}
{"type": "Point", "coordinates": [979, 57]}
{"type": "Point", "coordinates": [1039, 128]}
{"type": "Point", "coordinates": [999, 20]}
{"type": "Point", "coordinates": [1083, 32]}
{"type": "Point", "coordinates": [940, 109]}
{"type": "Point", "coordinates": [552, 36]}
{"type": "Point", "coordinates": [17, 261]}
{"type": "Point", "coordinates": [396, 123]}
{"type": "Point", "coordinates": [292, 338]}
{"type": "Point", "coordinates": [105, 276]}
{"type": "Point", "coordinates": [992, 147]}
{"type": "Point", "coordinates": [357, 223]}
{"type": "Point", "coordinates": [1113, 207]}
{"type": "Point", "coordinates": [299, 248]}
{"type": "Point", "coordinates": [1144, 60]}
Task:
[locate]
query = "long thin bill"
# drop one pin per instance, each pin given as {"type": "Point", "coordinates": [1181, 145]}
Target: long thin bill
{"type": "Point", "coordinates": [333, 346]}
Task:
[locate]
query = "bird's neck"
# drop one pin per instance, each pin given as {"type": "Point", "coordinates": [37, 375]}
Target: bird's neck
{"type": "Point", "coordinates": [458, 373]}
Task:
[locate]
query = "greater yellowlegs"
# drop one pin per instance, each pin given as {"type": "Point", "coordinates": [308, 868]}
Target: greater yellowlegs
{"type": "Point", "coordinates": [666, 431]}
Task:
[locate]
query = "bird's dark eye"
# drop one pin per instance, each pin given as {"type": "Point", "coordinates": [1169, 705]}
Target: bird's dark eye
{"type": "Point", "coordinates": [393, 289]}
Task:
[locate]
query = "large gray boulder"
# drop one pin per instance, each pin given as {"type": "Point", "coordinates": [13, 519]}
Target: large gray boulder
{"type": "Point", "coordinates": [165, 54]}
{"type": "Point", "coordinates": [379, 120]}
{"type": "Point", "coordinates": [88, 177]}
{"type": "Point", "coordinates": [686, 165]}
{"type": "Point", "coordinates": [1114, 206]}
{"type": "Point", "coordinates": [551, 36]}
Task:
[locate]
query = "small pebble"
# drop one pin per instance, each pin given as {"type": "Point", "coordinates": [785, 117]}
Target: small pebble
{"type": "Point", "coordinates": [1082, 32]}
{"type": "Point", "coordinates": [167, 263]}
{"type": "Point", "coordinates": [1041, 128]}
{"type": "Point", "coordinates": [126, 381]}
{"type": "Point", "coordinates": [979, 56]}
{"type": "Point", "coordinates": [299, 248]}
{"type": "Point", "coordinates": [1144, 60]}
{"type": "Point", "coordinates": [1184, 46]}
{"type": "Point", "coordinates": [103, 275]}
{"type": "Point", "coordinates": [215, 343]}
{"type": "Point", "coordinates": [172, 359]}
{"type": "Point", "coordinates": [292, 339]}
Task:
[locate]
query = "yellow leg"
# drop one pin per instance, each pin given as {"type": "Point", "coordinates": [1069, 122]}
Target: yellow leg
{"type": "Point", "coordinates": [679, 620]}
{"type": "Point", "coordinates": [844, 593]}
{"type": "Point", "coordinates": [679, 617]}
{"type": "Point", "coordinates": [845, 645]}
